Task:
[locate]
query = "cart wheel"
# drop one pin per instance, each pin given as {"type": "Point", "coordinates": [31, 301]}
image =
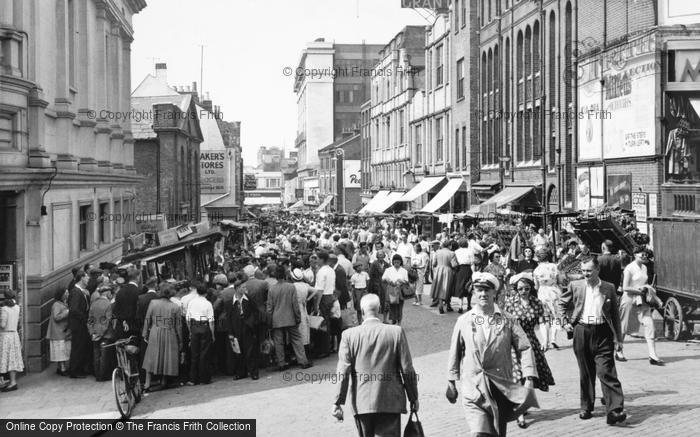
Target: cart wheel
{"type": "Point", "coordinates": [121, 393]}
{"type": "Point", "coordinates": [673, 319]}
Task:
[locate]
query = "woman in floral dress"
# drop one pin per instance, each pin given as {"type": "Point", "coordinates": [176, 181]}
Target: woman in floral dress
{"type": "Point", "coordinates": [545, 276]}
{"type": "Point", "coordinates": [530, 312]}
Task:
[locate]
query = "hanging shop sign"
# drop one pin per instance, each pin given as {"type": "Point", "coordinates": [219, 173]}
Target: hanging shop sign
{"type": "Point", "coordinates": [620, 191]}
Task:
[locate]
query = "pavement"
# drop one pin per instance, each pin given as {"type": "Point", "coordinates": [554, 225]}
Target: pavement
{"type": "Point", "coordinates": [660, 401]}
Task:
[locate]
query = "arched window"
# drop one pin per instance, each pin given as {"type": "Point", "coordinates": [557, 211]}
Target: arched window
{"type": "Point", "coordinates": [527, 62]}
{"type": "Point", "coordinates": [537, 91]}
{"type": "Point", "coordinates": [508, 79]}
{"type": "Point", "coordinates": [520, 99]}
{"type": "Point", "coordinates": [484, 109]}
{"type": "Point", "coordinates": [183, 180]}
{"type": "Point", "coordinates": [552, 88]}
{"type": "Point", "coordinates": [498, 120]}
{"type": "Point", "coordinates": [489, 142]}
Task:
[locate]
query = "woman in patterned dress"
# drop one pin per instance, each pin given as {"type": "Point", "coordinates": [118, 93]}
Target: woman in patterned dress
{"type": "Point", "coordinates": [545, 276]}
{"type": "Point", "coordinates": [530, 312]}
{"type": "Point", "coordinates": [10, 345]}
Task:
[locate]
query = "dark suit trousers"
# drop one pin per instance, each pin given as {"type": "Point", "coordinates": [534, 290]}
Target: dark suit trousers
{"type": "Point", "coordinates": [248, 361]}
{"type": "Point", "coordinates": [200, 337]}
{"type": "Point", "coordinates": [325, 307]}
{"type": "Point", "coordinates": [294, 338]}
{"type": "Point", "coordinates": [378, 425]}
{"type": "Point", "coordinates": [103, 360]}
{"type": "Point", "coordinates": [80, 352]}
{"type": "Point", "coordinates": [594, 348]}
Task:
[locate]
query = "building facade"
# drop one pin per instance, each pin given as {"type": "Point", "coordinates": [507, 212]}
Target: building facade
{"type": "Point", "coordinates": [328, 102]}
{"type": "Point", "coordinates": [66, 161]}
{"type": "Point", "coordinates": [396, 79]}
{"type": "Point", "coordinates": [339, 175]}
{"type": "Point", "coordinates": [167, 149]}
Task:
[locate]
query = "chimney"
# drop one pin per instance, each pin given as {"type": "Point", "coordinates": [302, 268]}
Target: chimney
{"type": "Point", "coordinates": [194, 86]}
{"type": "Point", "coordinates": [206, 104]}
{"type": "Point", "coordinates": [162, 71]}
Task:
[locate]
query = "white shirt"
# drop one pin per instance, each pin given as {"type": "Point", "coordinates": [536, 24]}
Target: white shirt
{"type": "Point", "coordinates": [464, 256]}
{"type": "Point", "coordinates": [199, 309]}
{"type": "Point", "coordinates": [393, 275]}
{"type": "Point", "coordinates": [359, 280]}
{"type": "Point", "coordinates": [593, 306]}
{"type": "Point", "coordinates": [186, 299]}
{"type": "Point", "coordinates": [325, 280]}
{"type": "Point", "coordinates": [405, 250]}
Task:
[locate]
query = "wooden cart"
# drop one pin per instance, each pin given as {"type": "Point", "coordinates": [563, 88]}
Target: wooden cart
{"type": "Point", "coordinates": [677, 266]}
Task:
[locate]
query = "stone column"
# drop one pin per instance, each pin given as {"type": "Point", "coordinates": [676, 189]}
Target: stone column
{"type": "Point", "coordinates": [102, 129]}
{"type": "Point", "coordinates": [85, 103]}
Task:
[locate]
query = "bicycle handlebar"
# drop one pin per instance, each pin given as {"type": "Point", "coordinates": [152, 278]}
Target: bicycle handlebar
{"type": "Point", "coordinates": [120, 342]}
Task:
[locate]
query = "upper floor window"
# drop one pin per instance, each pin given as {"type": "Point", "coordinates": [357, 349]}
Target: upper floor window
{"type": "Point", "coordinates": [460, 78]}
{"type": "Point", "coordinates": [439, 65]}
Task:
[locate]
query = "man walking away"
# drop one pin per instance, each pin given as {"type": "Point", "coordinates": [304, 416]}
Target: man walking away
{"type": "Point", "coordinates": [200, 319]}
{"type": "Point", "coordinates": [378, 360]}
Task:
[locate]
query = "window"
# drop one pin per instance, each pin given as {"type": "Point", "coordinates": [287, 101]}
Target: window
{"type": "Point", "coordinates": [419, 145]}
{"type": "Point", "coordinates": [438, 66]}
{"type": "Point", "coordinates": [464, 148]}
{"type": "Point", "coordinates": [401, 134]}
{"type": "Point", "coordinates": [104, 226]}
{"type": "Point", "coordinates": [272, 183]}
{"type": "Point", "coordinates": [117, 223]}
{"type": "Point", "coordinates": [457, 12]}
{"type": "Point", "coordinates": [464, 12]}
{"type": "Point", "coordinates": [456, 157]}
{"type": "Point", "coordinates": [460, 78]}
{"type": "Point", "coordinates": [85, 235]}
{"type": "Point", "coordinates": [438, 139]}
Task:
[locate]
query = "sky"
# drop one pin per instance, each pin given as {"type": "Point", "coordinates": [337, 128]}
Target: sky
{"type": "Point", "coordinates": [247, 44]}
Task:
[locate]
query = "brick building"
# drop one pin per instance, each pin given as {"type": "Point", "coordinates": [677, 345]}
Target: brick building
{"type": "Point", "coordinates": [525, 103]}
{"type": "Point", "coordinates": [339, 175]}
{"type": "Point", "coordinates": [166, 150]}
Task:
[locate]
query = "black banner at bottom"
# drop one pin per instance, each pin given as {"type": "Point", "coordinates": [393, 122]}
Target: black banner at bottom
{"type": "Point", "coordinates": [127, 428]}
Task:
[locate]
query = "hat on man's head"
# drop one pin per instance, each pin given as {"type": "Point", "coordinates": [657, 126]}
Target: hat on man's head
{"type": "Point", "coordinates": [297, 275]}
{"type": "Point", "coordinates": [435, 242]}
{"type": "Point", "coordinates": [571, 242]}
{"type": "Point", "coordinates": [485, 280]}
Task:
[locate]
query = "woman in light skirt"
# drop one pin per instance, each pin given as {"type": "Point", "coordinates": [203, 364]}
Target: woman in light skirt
{"type": "Point", "coordinates": [10, 345]}
{"type": "Point", "coordinates": [58, 333]}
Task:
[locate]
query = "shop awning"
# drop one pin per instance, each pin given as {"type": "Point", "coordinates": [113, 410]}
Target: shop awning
{"type": "Point", "coordinates": [444, 196]}
{"type": "Point", "coordinates": [423, 187]}
{"type": "Point", "coordinates": [256, 201]}
{"type": "Point", "coordinates": [389, 201]}
{"type": "Point", "coordinates": [695, 103]}
{"type": "Point", "coordinates": [504, 197]}
{"type": "Point", "coordinates": [375, 202]}
{"type": "Point", "coordinates": [298, 204]}
{"type": "Point", "coordinates": [484, 185]}
{"type": "Point", "coordinates": [162, 254]}
{"type": "Point", "coordinates": [326, 202]}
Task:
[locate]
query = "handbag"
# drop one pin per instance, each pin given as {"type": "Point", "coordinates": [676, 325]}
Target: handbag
{"type": "Point", "coordinates": [413, 428]}
{"type": "Point", "coordinates": [349, 317]}
{"type": "Point", "coordinates": [407, 291]}
{"type": "Point", "coordinates": [267, 346]}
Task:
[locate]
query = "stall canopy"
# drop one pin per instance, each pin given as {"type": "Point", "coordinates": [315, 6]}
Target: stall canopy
{"type": "Point", "coordinates": [423, 187]}
{"type": "Point", "coordinates": [504, 197]}
{"type": "Point", "coordinates": [257, 201]}
{"type": "Point", "coordinates": [377, 200]}
{"type": "Point", "coordinates": [444, 196]}
{"type": "Point", "coordinates": [326, 202]}
{"type": "Point", "coordinates": [389, 201]}
{"type": "Point", "coordinates": [161, 251]}
{"type": "Point", "coordinates": [298, 204]}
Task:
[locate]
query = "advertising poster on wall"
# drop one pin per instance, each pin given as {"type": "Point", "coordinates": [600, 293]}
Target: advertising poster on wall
{"type": "Point", "coordinates": [583, 188]}
{"type": "Point", "coordinates": [629, 97]}
{"type": "Point", "coordinates": [620, 191]}
{"type": "Point", "coordinates": [212, 172]}
{"type": "Point", "coordinates": [351, 171]}
{"type": "Point", "coordinates": [589, 112]}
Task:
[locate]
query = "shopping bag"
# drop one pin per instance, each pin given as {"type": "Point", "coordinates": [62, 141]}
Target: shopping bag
{"type": "Point", "coordinates": [316, 322]}
{"type": "Point", "coordinates": [235, 347]}
{"type": "Point", "coordinates": [267, 345]}
{"type": "Point", "coordinates": [408, 291]}
{"type": "Point", "coordinates": [349, 316]}
{"type": "Point", "coordinates": [413, 427]}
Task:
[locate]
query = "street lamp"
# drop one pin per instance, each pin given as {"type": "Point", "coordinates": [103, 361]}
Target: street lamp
{"type": "Point", "coordinates": [340, 182]}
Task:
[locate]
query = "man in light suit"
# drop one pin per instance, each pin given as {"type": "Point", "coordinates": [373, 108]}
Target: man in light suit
{"type": "Point", "coordinates": [480, 356]}
{"type": "Point", "coordinates": [378, 360]}
{"type": "Point", "coordinates": [590, 312]}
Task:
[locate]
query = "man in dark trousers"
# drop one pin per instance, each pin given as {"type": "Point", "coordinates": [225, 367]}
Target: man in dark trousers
{"type": "Point", "coordinates": [141, 308]}
{"type": "Point", "coordinates": [378, 360]}
{"type": "Point", "coordinates": [341, 280]}
{"type": "Point", "coordinates": [242, 318]}
{"type": "Point", "coordinates": [590, 312]}
{"type": "Point", "coordinates": [610, 265]}
{"type": "Point", "coordinates": [200, 320]}
{"type": "Point", "coordinates": [257, 294]}
{"type": "Point", "coordinates": [283, 310]}
{"type": "Point", "coordinates": [125, 303]}
{"type": "Point", "coordinates": [78, 307]}
{"type": "Point", "coordinates": [100, 329]}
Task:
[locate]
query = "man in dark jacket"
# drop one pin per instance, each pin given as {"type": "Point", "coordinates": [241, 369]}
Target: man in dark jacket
{"type": "Point", "coordinates": [141, 308]}
{"type": "Point", "coordinates": [610, 265]}
{"type": "Point", "coordinates": [283, 310]}
{"type": "Point", "coordinates": [242, 318]}
{"type": "Point", "coordinates": [257, 294]}
{"type": "Point", "coordinates": [125, 303]}
{"type": "Point", "coordinates": [341, 280]}
{"type": "Point", "coordinates": [78, 307]}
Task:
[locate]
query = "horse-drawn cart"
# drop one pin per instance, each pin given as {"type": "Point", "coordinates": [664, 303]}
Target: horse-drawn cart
{"type": "Point", "coordinates": [677, 266]}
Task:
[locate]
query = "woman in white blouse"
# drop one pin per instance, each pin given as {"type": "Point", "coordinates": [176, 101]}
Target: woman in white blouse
{"type": "Point", "coordinates": [394, 278]}
{"type": "Point", "coordinates": [420, 263]}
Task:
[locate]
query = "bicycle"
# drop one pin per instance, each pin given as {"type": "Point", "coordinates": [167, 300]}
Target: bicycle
{"type": "Point", "coordinates": [125, 380]}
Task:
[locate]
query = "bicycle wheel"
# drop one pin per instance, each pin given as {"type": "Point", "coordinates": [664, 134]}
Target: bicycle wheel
{"type": "Point", "coordinates": [137, 389]}
{"type": "Point", "coordinates": [121, 393]}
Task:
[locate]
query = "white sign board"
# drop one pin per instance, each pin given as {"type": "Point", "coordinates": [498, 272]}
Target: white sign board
{"type": "Point", "coordinates": [212, 172]}
{"type": "Point", "coordinates": [351, 172]}
{"type": "Point", "coordinates": [589, 112]}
